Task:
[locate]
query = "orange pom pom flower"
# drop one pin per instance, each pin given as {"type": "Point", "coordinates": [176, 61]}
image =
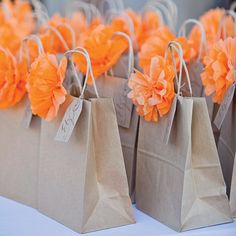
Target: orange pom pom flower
{"type": "Point", "coordinates": [44, 85]}
{"type": "Point", "coordinates": [153, 93]}
{"type": "Point", "coordinates": [211, 21]}
{"type": "Point", "coordinates": [12, 83]}
{"type": "Point", "coordinates": [219, 71]}
{"type": "Point", "coordinates": [157, 44]}
{"type": "Point", "coordinates": [104, 49]}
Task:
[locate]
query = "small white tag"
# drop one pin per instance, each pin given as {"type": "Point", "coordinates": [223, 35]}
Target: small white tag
{"type": "Point", "coordinates": [70, 118]}
{"type": "Point", "coordinates": [27, 118]}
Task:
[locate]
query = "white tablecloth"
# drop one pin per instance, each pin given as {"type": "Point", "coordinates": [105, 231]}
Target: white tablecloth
{"type": "Point", "coordinates": [19, 220]}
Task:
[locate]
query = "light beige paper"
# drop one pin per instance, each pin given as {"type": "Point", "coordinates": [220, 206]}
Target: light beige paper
{"type": "Point", "coordinates": [233, 190]}
{"type": "Point", "coordinates": [120, 68]}
{"type": "Point", "coordinates": [181, 183]}
{"type": "Point", "coordinates": [227, 150]}
{"type": "Point", "coordinates": [82, 183]}
{"type": "Point", "coordinates": [19, 155]}
{"type": "Point", "coordinates": [116, 86]}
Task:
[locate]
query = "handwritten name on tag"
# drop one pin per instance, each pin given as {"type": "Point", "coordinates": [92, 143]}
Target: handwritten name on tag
{"type": "Point", "coordinates": [170, 120]}
{"type": "Point", "coordinates": [123, 106]}
{"type": "Point", "coordinates": [27, 118]}
{"type": "Point", "coordinates": [220, 116]}
{"type": "Point", "coordinates": [69, 121]}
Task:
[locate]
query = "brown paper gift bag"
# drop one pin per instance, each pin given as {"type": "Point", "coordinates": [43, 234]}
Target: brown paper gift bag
{"type": "Point", "coordinates": [117, 88]}
{"type": "Point", "coordinates": [19, 143]}
{"type": "Point", "coordinates": [232, 201]}
{"type": "Point", "coordinates": [180, 183]}
{"type": "Point", "coordinates": [19, 155]}
{"type": "Point", "coordinates": [225, 121]}
{"type": "Point", "coordinates": [195, 67]}
{"type": "Point", "coordinates": [82, 183]}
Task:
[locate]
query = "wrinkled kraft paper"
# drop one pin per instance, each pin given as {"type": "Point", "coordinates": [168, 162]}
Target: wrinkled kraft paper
{"type": "Point", "coordinates": [82, 183]}
{"type": "Point", "coordinates": [117, 88]}
{"type": "Point", "coordinates": [227, 150]}
{"type": "Point", "coordinates": [19, 155]}
{"type": "Point", "coordinates": [181, 183]}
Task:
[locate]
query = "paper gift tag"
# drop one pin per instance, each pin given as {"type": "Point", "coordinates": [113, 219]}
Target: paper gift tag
{"type": "Point", "coordinates": [69, 120]}
{"type": "Point", "coordinates": [224, 107]}
{"type": "Point", "coordinates": [170, 120]}
{"type": "Point", "coordinates": [123, 106]}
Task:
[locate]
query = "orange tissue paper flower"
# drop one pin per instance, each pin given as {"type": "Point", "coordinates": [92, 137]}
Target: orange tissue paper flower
{"type": "Point", "coordinates": [104, 49]}
{"type": "Point", "coordinates": [151, 22]}
{"type": "Point", "coordinates": [50, 39]}
{"type": "Point", "coordinates": [219, 71]}
{"type": "Point", "coordinates": [44, 85]}
{"type": "Point", "coordinates": [153, 93]}
{"type": "Point", "coordinates": [16, 21]}
{"type": "Point", "coordinates": [211, 23]}
{"type": "Point", "coordinates": [12, 79]}
{"type": "Point", "coordinates": [79, 24]}
{"type": "Point", "coordinates": [120, 23]}
{"type": "Point", "coordinates": [157, 44]}
{"type": "Point", "coordinates": [9, 38]}
{"type": "Point", "coordinates": [19, 13]}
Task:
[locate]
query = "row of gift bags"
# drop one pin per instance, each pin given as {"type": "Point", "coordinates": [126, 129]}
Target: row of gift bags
{"type": "Point", "coordinates": [82, 183]}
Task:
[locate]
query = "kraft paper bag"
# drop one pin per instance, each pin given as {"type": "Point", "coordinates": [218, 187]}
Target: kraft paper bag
{"type": "Point", "coordinates": [19, 155]}
{"type": "Point", "coordinates": [117, 88]}
{"type": "Point", "coordinates": [232, 201]}
{"type": "Point", "coordinates": [195, 68]}
{"type": "Point", "coordinates": [82, 182]}
{"type": "Point", "coordinates": [227, 143]}
{"type": "Point", "coordinates": [181, 184]}
{"type": "Point", "coordinates": [120, 69]}
{"type": "Point", "coordinates": [179, 180]}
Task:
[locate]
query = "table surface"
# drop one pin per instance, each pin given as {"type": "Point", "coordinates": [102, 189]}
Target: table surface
{"type": "Point", "coordinates": [19, 220]}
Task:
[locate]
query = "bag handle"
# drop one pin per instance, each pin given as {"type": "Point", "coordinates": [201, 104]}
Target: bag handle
{"type": "Point", "coordinates": [112, 13]}
{"type": "Point", "coordinates": [24, 42]}
{"type": "Point", "coordinates": [59, 36]}
{"type": "Point", "coordinates": [89, 10]}
{"type": "Point", "coordinates": [233, 6]}
{"type": "Point", "coordinates": [152, 8]}
{"type": "Point", "coordinates": [182, 32]}
{"type": "Point", "coordinates": [177, 47]}
{"type": "Point", "coordinates": [39, 6]}
{"type": "Point", "coordinates": [222, 23]}
{"type": "Point", "coordinates": [131, 52]}
{"type": "Point", "coordinates": [169, 11]}
{"type": "Point", "coordinates": [41, 17]}
{"type": "Point", "coordinates": [172, 8]}
{"type": "Point", "coordinates": [163, 11]}
{"type": "Point", "coordinates": [89, 70]}
{"type": "Point", "coordinates": [116, 5]}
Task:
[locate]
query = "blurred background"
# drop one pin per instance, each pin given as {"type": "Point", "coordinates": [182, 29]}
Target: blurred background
{"type": "Point", "coordinates": [186, 8]}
